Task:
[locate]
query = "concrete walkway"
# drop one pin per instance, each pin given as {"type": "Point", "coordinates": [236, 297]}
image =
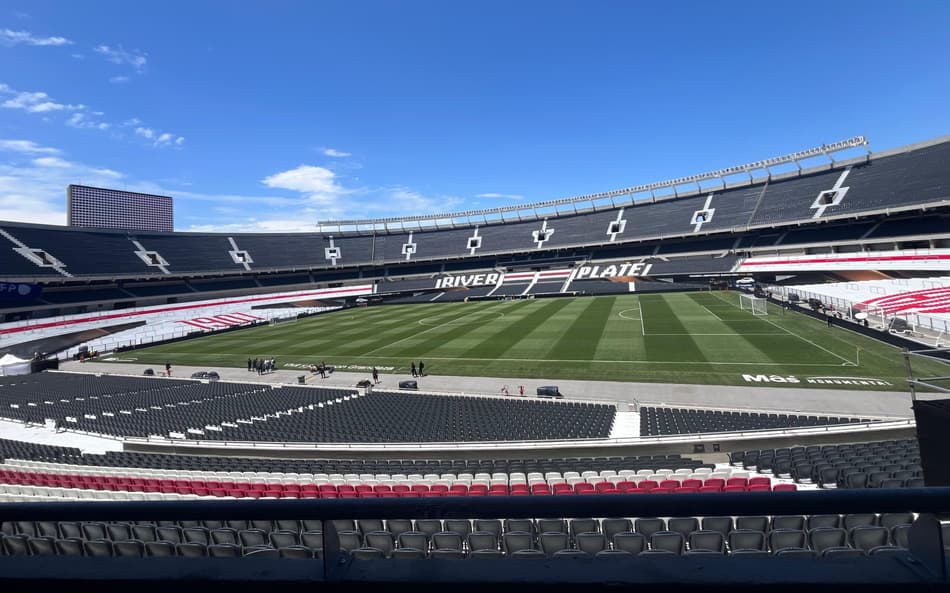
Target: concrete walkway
{"type": "Point", "coordinates": [874, 404]}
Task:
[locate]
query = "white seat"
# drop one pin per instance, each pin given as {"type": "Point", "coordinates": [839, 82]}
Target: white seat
{"type": "Point", "coordinates": [589, 474]}
{"type": "Point", "coordinates": [607, 473]}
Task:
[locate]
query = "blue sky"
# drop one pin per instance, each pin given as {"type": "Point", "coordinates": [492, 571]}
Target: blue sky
{"type": "Point", "coordinates": [273, 115]}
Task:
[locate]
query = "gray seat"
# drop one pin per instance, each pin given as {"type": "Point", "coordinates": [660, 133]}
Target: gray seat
{"type": "Point", "coordinates": [429, 526]}
{"type": "Point", "coordinates": [382, 541]}
{"type": "Point", "coordinates": [311, 525]}
{"type": "Point", "coordinates": [460, 526]}
{"type": "Point", "coordinates": [312, 539]}
{"type": "Point", "coordinates": [289, 525]}
{"type": "Point", "coordinates": [42, 546]}
{"type": "Point", "coordinates": [196, 535]}
{"type": "Point", "coordinates": [526, 525]}
{"type": "Point", "coordinates": [490, 526]}
{"type": "Point", "coordinates": [671, 541]}
{"type": "Point", "coordinates": [723, 525]}
{"type": "Point", "coordinates": [447, 554]}
{"type": "Point", "coordinates": [787, 538]}
{"type": "Point", "coordinates": [397, 526]}
{"type": "Point", "coordinates": [550, 542]}
{"type": "Point", "coordinates": [344, 524]}
{"type": "Point", "coordinates": [191, 550]}
{"type": "Point", "coordinates": [707, 540]}
{"type": "Point", "coordinates": [891, 520]}
{"type": "Point", "coordinates": [859, 520]}
{"type": "Point", "coordinates": [486, 554]}
{"type": "Point", "coordinates": [482, 540]}
{"type": "Point", "coordinates": [577, 526]}
{"type": "Point", "coordinates": [788, 522]}
{"type": "Point", "coordinates": [613, 526]}
{"type": "Point", "coordinates": [144, 533]}
{"type": "Point", "coordinates": [261, 552]}
{"type": "Point", "coordinates": [887, 551]}
{"type": "Point", "coordinates": [746, 539]}
{"type": "Point", "coordinates": [667, 553]}
{"type": "Point", "coordinates": [751, 554]}
{"type": "Point", "coordinates": [613, 554]}
{"type": "Point", "coordinates": [27, 528]}
{"type": "Point", "coordinates": [413, 540]}
{"type": "Point", "coordinates": [446, 540]}
{"type": "Point", "coordinates": [795, 553]}
{"type": "Point", "coordinates": [816, 521]}
{"type": "Point", "coordinates": [409, 553]}
{"type": "Point", "coordinates": [224, 535]}
{"type": "Point", "coordinates": [167, 533]}
{"type": "Point", "coordinates": [98, 547]}
{"type": "Point", "coordinates": [567, 554]}
{"type": "Point", "coordinates": [754, 522]}
{"type": "Point", "coordinates": [841, 552]}
{"type": "Point", "coordinates": [365, 526]}
{"type": "Point", "coordinates": [296, 552]}
{"type": "Point", "coordinates": [552, 526]}
{"type": "Point", "coordinates": [212, 524]}
{"type": "Point", "coordinates": [284, 539]}
{"type": "Point", "coordinates": [649, 525]}
{"type": "Point", "coordinates": [529, 555]}
{"type": "Point", "coordinates": [47, 529]}
{"type": "Point", "coordinates": [118, 532]}
{"type": "Point", "coordinates": [68, 547]}
{"type": "Point", "coordinates": [264, 525]}
{"type": "Point", "coordinates": [92, 531]}
{"type": "Point", "coordinates": [827, 537]}
{"type": "Point", "coordinates": [237, 524]}
{"type": "Point", "coordinates": [683, 525]}
{"type": "Point", "coordinates": [250, 538]}
{"type": "Point", "coordinates": [129, 548]}
{"type": "Point", "coordinates": [591, 542]}
{"type": "Point", "coordinates": [869, 536]}
{"type": "Point", "coordinates": [159, 549]}
{"type": "Point", "coordinates": [224, 551]}
{"type": "Point", "coordinates": [519, 540]}
{"type": "Point", "coordinates": [71, 529]}
{"type": "Point", "coordinates": [630, 541]}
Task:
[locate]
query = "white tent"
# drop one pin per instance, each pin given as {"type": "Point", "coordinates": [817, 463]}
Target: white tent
{"type": "Point", "coordinates": [12, 365]}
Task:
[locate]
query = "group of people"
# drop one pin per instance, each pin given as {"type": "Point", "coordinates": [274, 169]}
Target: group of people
{"type": "Point", "coordinates": [506, 391]}
{"type": "Point", "coordinates": [417, 372]}
{"type": "Point", "coordinates": [261, 365]}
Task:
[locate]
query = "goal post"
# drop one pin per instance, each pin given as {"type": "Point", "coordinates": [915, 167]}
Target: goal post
{"type": "Point", "coordinates": [753, 304]}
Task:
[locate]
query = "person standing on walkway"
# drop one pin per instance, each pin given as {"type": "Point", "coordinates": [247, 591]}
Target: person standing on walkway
{"type": "Point", "coordinates": [521, 390]}
{"type": "Point", "coordinates": [168, 369]}
{"type": "Point", "coordinates": [375, 376]}
{"type": "Point", "coordinates": [412, 370]}
{"type": "Point", "coordinates": [249, 367]}
{"type": "Point", "coordinates": [422, 366]}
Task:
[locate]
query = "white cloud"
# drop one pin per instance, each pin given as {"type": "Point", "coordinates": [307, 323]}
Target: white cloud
{"type": "Point", "coordinates": [148, 133]}
{"type": "Point", "coordinates": [34, 102]}
{"type": "Point", "coordinates": [52, 161]}
{"type": "Point", "coordinates": [160, 138]}
{"type": "Point", "coordinates": [26, 147]}
{"type": "Point", "coordinates": [132, 122]}
{"type": "Point", "coordinates": [119, 55]}
{"type": "Point", "coordinates": [10, 37]}
{"type": "Point", "coordinates": [164, 138]}
{"type": "Point", "coordinates": [179, 140]}
{"type": "Point", "coordinates": [119, 79]}
{"type": "Point", "coordinates": [500, 196]}
{"type": "Point", "coordinates": [333, 152]}
{"type": "Point", "coordinates": [317, 183]}
{"type": "Point", "coordinates": [83, 121]}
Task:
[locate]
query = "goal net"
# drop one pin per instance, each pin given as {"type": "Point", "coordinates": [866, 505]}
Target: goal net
{"type": "Point", "coordinates": [756, 305]}
{"type": "Point", "coordinates": [282, 320]}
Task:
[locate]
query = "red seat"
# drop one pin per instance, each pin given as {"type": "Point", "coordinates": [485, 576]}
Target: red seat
{"type": "Point", "coordinates": [379, 488]}
{"type": "Point", "coordinates": [661, 490]}
{"type": "Point", "coordinates": [584, 488]}
{"type": "Point", "coordinates": [759, 488]}
{"type": "Point", "coordinates": [648, 485]}
{"type": "Point", "coordinates": [524, 493]}
{"type": "Point", "coordinates": [734, 489]}
{"type": "Point", "coordinates": [670, 484]}
{"type": "Point", "coordinates": [401, 488]}
{"type": "Point", "coordinates": [685, 490]}
{"type": "Point", "coordinates": [327, 488]}
{"type": "Point", "coordinates": [309, 494]}
{"type": "Point", "coordinates": [714, 482]}
{"type": "Point", "coordinates": [347, 494]}
{"type": "Point", "coordinates": [477, 493]}
{"type": "Point", "coordinates": [692, 483]}
{"type": "Point", "coordinates": [273, 494]}
{"type": "Point", "coordinates": [760, 480]}
{"type": "Point", "coordinates": [236, 493]}
{"type": "Point", "coordinates": [368, 495]}
{"type": "Point", "coordinates": [255, 493]}
{"type": "Point", "coordinates": [784, 488]}
{"type": "Point", "coordinates": [363, 488]}
{"type": "Point", "coordinates": [346, 488]}
{"type": "Point", "coordinates": [439, 488]}
{"type": "Point", "coordinates": [459, 488]}
{"type": "Point", "coordinates": [710, 489]}
{"type": "Point", "coordinates": [292, 488]}
{"type": "Point", "coordinates": [497, 493]}
{"type": "Point", "coordinates": [420, 488]}
{"type": "Point", "coordinates": [737, 482]}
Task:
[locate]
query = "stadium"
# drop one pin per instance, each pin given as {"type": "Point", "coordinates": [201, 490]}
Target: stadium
{"type": "Point", "coordinates": [742, 334]}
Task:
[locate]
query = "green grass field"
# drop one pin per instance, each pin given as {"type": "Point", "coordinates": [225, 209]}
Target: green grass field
{"type": "Point", "coordinates": [701, 337]}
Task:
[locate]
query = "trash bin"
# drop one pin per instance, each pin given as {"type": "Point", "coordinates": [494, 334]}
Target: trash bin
{"type": "Point", "coordinates": [302, 379]}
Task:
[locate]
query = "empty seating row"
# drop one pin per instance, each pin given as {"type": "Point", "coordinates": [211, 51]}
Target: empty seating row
{"type": "Point", "coordinates": [663, 421]}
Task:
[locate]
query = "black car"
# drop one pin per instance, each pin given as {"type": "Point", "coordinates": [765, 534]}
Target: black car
{"type": "Point", "coordinates": [550, 391]}
{"type": "Point", "coordinates": [408, 385]}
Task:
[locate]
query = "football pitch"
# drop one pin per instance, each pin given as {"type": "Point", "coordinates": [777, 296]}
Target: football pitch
{"type": "Point", "coordinates": [701, 337]}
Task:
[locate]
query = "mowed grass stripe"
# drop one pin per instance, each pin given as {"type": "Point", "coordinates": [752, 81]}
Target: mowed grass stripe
{"type": "Point", "coordinates": [509, 334]}
{"type": "Point", "coordinates": [656, 311]}
{"type": "Point", "coordinates": [622, 338]}
{"type": "Point", "coordinates": [580, 338]}
{"type": "Point", "coordinates": [437, 337]}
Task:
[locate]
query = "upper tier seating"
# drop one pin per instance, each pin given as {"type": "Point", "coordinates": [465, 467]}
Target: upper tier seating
{"type": "Point", "coordinates": [662, 421]}
{"type": "Point", "coordinates": [914, 178]}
